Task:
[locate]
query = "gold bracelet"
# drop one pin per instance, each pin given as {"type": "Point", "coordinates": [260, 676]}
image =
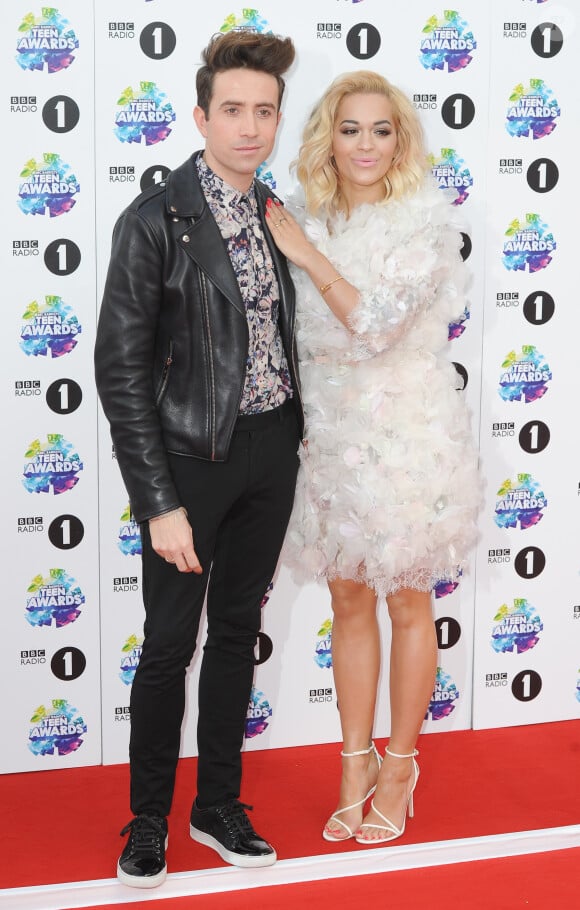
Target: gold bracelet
{"type": "Point", "coordinates": [324, 287]}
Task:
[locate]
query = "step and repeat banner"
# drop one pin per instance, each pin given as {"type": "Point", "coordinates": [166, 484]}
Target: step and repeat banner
{"type": "Point", "coordinates": [98, 99]}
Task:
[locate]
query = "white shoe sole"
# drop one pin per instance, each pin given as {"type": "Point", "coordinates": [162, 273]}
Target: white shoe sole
{"type": "Point", "coordinates": [235, 859]}
{"type": "Point", "coordinates": [141, 881]}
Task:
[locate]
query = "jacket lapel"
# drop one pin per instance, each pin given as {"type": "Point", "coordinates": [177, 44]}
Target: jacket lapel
{"type": "Point", "coordinates": [200, 237]}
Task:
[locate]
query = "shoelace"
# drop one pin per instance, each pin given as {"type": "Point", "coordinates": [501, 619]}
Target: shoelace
{"type": "Point", "coordinates": [147, 834]}
{"type": "Point", "coordinates": [236, 820]}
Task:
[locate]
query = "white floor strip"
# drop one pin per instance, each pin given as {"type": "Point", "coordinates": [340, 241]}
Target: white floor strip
{"type": "Point", "coordinates": [285, 872]}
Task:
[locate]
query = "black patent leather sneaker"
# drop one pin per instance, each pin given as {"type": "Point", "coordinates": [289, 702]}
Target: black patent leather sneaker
{"type": "Point", "coordinates": [142, 862]}
{"type": "Point", "coordinates": [228, 830]}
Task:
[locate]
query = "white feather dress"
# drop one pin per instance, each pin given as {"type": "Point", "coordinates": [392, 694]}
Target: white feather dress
{"type": "Point", "coordinates": [388, 488]}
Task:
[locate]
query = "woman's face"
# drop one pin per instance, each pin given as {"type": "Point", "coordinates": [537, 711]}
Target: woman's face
{"type": "Point", "coordinates": [364, 143]}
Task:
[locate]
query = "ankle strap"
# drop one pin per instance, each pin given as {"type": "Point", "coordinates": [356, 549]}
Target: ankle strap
{"type": "Point", "coordinates": [397, 755]}
{"type": "Point", "coordinates": [361, 752]}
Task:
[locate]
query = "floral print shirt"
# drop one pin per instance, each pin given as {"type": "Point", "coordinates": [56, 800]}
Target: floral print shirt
{"type": "Point", "coordinates": [268, 382]}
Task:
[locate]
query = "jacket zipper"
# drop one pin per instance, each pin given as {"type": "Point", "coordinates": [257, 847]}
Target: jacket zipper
{"type": "Point", "coordinates": [165, 374]}
{"type": "Point", "coordinates": [211, 369]}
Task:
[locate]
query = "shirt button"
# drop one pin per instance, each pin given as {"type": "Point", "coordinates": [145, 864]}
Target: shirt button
{"type": "Point", "coordinates": [185, 238]}
{"type": "Point", "coordinates": [175, 219]}
{"type": "Point", "coordinates": [172, 208]}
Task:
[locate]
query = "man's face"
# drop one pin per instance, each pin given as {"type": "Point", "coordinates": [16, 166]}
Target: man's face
{"type": "Point", "coordinates": [241, 128]}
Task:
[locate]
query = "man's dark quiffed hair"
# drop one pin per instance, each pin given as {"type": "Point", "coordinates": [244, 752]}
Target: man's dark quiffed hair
{"type": "Point", "coordinates": [243, 50]}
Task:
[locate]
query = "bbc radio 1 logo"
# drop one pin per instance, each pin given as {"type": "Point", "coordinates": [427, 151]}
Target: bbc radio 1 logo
{"type": "Point", "coordinates": [49, 329]}
{"type": "Point", "coordinates": [145, 115]}
{"type": "Point", "coordinates": [46, 41]}
{"type": "Point", "coordinates": [525, 375]}
{"type": "Point", "coordinates": [533, 110]}
{"type": "Point", "coordinates": [258, 715]}
{"type": "Point", "coordinates": [129, 541]}
{"type": "Point", "coordinates": [122, 714]}
{"type": "Point", "coordinates": [130, 657]}
{"type": "Point", "coordinates": [51, 466]}
{"type": "Point", "coordinates": [451, 172]}
{"type": "Point", "coordinates": [121, 29]}
{"type": "Point", "coordinates": [444, 697]}
{"type": "Point", "coordinates": [520, 503]}
{"type": "Point", "coordinates": [525, 686]}
{"type": "Point", "coordinates": [48, 187]}
{"type": "Point", "coordinates": [528, 245]}
{"type": "Point", "coordinates": [56, 730]}
{"type": "Point", "coordinates": [124, 583]}
{"type": "Point", "coordinates": [323, 649]}
{"type": "Point", "coordinates": [448, 43]}
{"type": "Point", "coordinates": [55, 601]}
{"type": "Point", "coordinates": [23, 104]}
{"type": "Point", "coordinates": [329, 30]}
{"type": "Point", "coordinates": [251, 20]}
{"type": "Point", "coordinates": [516, 628]}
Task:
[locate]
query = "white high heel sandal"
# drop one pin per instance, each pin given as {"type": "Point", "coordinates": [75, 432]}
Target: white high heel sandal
{"type": "Point", "coordinates": [390, 827]}
{"type": "Point", "coordinates": [329, 835]}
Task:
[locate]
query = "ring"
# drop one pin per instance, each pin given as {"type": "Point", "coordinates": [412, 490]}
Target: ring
{"type": "Point", "coordinates": [169, 560]}
{"type": "Point", "coordinates": [282, 219]}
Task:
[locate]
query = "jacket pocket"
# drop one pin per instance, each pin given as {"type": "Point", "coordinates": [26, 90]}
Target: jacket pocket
{"type": "Point", "coordinates": [163, 382]}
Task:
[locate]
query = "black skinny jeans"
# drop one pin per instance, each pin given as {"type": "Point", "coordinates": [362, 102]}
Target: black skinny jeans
{"type": "Point", "coordinates": [239, 512]}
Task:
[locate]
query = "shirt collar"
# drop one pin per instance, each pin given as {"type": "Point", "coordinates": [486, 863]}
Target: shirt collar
{"type": "Point", "coordinates": [214, 186]}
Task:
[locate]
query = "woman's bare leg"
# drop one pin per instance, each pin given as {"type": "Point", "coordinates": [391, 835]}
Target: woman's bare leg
{"type": "Point", "coordinates": [412, 679]}
{"type": "Point", "coordinates": [356, 664]}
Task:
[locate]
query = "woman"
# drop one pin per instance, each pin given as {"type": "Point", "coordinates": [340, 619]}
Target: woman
{"type": "Point", "coordinates": [387, 492]}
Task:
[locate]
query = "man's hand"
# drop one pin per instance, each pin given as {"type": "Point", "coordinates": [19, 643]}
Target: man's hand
{"type": "Point", "coordinates": [172, 538]}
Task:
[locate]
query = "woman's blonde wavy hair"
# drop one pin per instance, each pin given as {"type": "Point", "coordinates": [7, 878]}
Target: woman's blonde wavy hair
{"type": "Point", "coordinates": [314, 167]}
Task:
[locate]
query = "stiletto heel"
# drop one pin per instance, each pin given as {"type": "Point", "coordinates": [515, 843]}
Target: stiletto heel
{"type": "Point", "coordinates": [390, 827]}
{"type": "Point", "coordinates": [331, 836]}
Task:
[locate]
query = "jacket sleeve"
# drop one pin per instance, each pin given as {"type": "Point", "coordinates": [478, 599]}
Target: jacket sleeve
{"type": "Point", "coordinates": [124, 358]}
{"type": "Point", "coordinates": [424, 272]}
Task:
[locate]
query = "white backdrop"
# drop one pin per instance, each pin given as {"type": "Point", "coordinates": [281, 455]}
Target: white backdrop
{"type": "Point", "coordinates": [100, 102]}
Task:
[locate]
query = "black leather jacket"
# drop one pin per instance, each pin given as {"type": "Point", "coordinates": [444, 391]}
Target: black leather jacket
{"type": "Point", "coordinates": [172, 338]}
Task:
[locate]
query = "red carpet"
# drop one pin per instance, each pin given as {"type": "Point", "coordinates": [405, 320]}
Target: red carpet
{"type": "Point", "coordinates": [472, 784]}
{"type": "Point", "coordinates": [547, 881]}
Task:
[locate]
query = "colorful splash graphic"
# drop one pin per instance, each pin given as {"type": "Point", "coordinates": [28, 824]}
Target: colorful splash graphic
{"type": "Point", "coordinates": [259, 713]}
{"type": "Point", "coordinates": [53, 601]}
{"type": "Point", "coordinates": [528, 245]}
{"type": "Point", "coordinates": [129, 541]}
{"type": "Point", "coordinates": [52, 465]}
{"type": "Point", "coordinates": [448, 42]}
{"type": "Point", "coordinates": [266, 596]}
{"type": "Point", "coordinates": [450, 172]}
{"type": "Point", "coordinates": [520, 504]}
{"type": "Point", "coordinates": [518, 628]}
{"type": "Point", "coordinates": [47, 186]}
{"type": "Point", "coordinates": [266, 176]}
{"type": "Point", "coordinates": [57, 730]}
{"type": "Point", "coordinates": [145, 115]}
{"type": "Point", "coordinates": [323, 652]}
{"type": "Point", "coordinates": [526, 375]}
{"type": "Point", "coordinates": [49, 329]}
{"type": "Point", "coordinates": [45, 41]}
{"type": "Point", "coordinates": [445, 587]}
{"type": "Point", "coordinates": [130, 658]}
{"type": "Point", "coordinates": [250, 20]}
{"type": "Point", "coordinates": [444, 696]}
{"type": "Point", "coordinates": [532, 109]}
{"type": "Point", "coordinates": [456, 329]}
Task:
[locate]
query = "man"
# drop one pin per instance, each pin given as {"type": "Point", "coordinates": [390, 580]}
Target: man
{"type": "Point", "coordinates": [196, 371]}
